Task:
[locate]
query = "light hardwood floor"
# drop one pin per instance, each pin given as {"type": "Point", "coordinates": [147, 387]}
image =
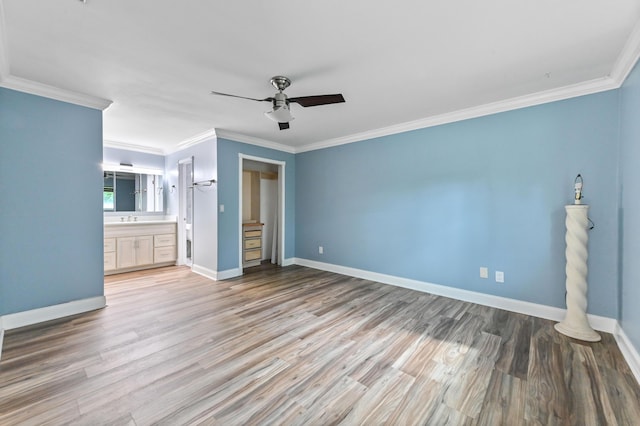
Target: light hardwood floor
{"type": "Point", "coordinates": [299, 346]}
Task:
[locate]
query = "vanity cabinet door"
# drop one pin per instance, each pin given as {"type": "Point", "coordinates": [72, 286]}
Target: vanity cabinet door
{"type": "Point", "coordinates": [126, 252]}
{"type": "Point", "coordinates": [134, 251]}
{"type": "Point", "coordinates": [144, 250]}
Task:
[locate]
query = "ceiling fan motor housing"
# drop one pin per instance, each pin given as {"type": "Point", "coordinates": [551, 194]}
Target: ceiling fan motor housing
{"type": "Point", "coordinates": [280, 82]}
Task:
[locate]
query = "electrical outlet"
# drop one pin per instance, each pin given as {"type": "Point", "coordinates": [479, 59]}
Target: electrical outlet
{"type": "Point", "coordinates": [320, 250]}
{"type": "Point", "coordinates": [499, 276]}
{"type": "Point", "coordinates": [484, 272]}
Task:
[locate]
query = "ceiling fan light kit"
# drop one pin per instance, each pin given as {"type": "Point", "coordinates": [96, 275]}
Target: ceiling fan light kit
{"type": "Point", "coordinates": [281, 113]}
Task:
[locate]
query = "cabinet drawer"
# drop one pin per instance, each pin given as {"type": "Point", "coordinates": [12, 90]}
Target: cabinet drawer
{"type": "Point", "coordinates": [110, 261]}
{"type": "Point", "coordinates": [164, 240]}
{"type": "Point", "coordinates": [109, 245]}
{"type": "Point", "coordinates": [252, 254]}
{"type": "Point", "coordinates": [253, 234]}
{"type": "Point", "coordinates": [164, 254]}
{"type": "Point", "coordinates": [253, 243]}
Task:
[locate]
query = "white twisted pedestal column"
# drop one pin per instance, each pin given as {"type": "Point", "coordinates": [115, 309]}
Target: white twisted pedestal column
{"type": "Point", "coordinates": [575, 323]}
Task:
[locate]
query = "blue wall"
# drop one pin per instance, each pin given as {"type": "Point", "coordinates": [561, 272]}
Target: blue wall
{"type": "Point", "coordinates": [51, 202]}
{"type": "Point", "coordinates": [630, 226]}
{"type": "Point", "coordinates": [205, 218]}
{"type": "Point", "coordinates": [228, 191]}
{"type": "Point", "coordinates": [436, 204]}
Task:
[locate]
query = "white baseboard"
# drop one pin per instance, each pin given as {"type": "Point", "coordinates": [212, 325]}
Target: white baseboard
{"type": "Point", "coordinates": [600, 323]}
{"type": "Point", "coordinates": [229, 273]}
{"type": "Point", "coordinates": [205, 272]}
{"type": "Point", "coordinates": [289, 261]}
{"type": "Point", "coordinates": [629, 351]}
{"type": "Point", "coordinates": [48, 313]}
{"type": "Point", "coordinates": [215, 275]}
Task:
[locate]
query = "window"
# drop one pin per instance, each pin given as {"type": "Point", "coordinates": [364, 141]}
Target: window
{"type": "Point", "coordinates": [107, 199]}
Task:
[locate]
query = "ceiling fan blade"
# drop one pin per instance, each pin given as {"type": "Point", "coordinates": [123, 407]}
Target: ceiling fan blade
{"type": "Point", "coordinates": [241, 97]}
{"type": "Point", "coordinates": [307, 101]}
{"type": "Point", "coordinates": [283, 126]}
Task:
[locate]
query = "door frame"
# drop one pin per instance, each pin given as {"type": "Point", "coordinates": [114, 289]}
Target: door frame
{"type": "Point", "coordinates": [182, 199]}
{"type": "Point", "coordinates": [281, 204]}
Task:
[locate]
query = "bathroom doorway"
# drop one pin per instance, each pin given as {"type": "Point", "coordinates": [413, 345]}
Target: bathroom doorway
{"type": "Point", "coordinates": [185, 217]}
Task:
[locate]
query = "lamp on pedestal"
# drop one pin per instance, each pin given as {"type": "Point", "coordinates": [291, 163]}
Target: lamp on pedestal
{"type": "Point", "coordinates": [575, 323]}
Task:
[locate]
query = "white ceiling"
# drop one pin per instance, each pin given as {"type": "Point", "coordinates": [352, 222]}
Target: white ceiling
{"type": "Point", "coordinates": [400, 65]}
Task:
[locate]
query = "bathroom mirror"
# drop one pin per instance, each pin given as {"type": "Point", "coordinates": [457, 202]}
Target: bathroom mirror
{"type": "Point", "coordinates": [127, 191]}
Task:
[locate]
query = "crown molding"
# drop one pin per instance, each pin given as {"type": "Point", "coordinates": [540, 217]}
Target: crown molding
{"type": "Point", "coordinates": [238, 137]}
{"type": "Point", "coordinates": [628, 58]}
{"type": "Point", "coordinates": [51, 92]}
{"type": "Point", "coordinates": [553, 95]}
{"type": "Point", "coordinates": [539, 98]}
{"type": "Point", "coordinates": [624, 64]}
{"type": "Point", "coordinates": [132, 147]}
{"type": "Point", "coordinates": [209, 134]}
{"type": "Point", "coordinates": [622, 67]}
{"type": "Point", "coordinates": [32, 87]}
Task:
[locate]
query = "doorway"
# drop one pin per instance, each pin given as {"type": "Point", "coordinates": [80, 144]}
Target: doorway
{"type": "Point", "coordinates": [185, 216]}
{"type": "Point", "coordinates": [261, 207]}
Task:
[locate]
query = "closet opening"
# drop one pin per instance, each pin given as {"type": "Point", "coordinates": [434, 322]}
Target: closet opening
{"type": "Point", "coordinates": [261, 212]}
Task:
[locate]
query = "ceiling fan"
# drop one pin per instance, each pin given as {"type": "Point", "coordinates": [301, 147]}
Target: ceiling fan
{"type": "Point", "coordinates": [281, 112]}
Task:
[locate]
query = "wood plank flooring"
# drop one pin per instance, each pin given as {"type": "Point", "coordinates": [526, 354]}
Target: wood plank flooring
{"type": "Point", "coordinates": [296, 346]}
